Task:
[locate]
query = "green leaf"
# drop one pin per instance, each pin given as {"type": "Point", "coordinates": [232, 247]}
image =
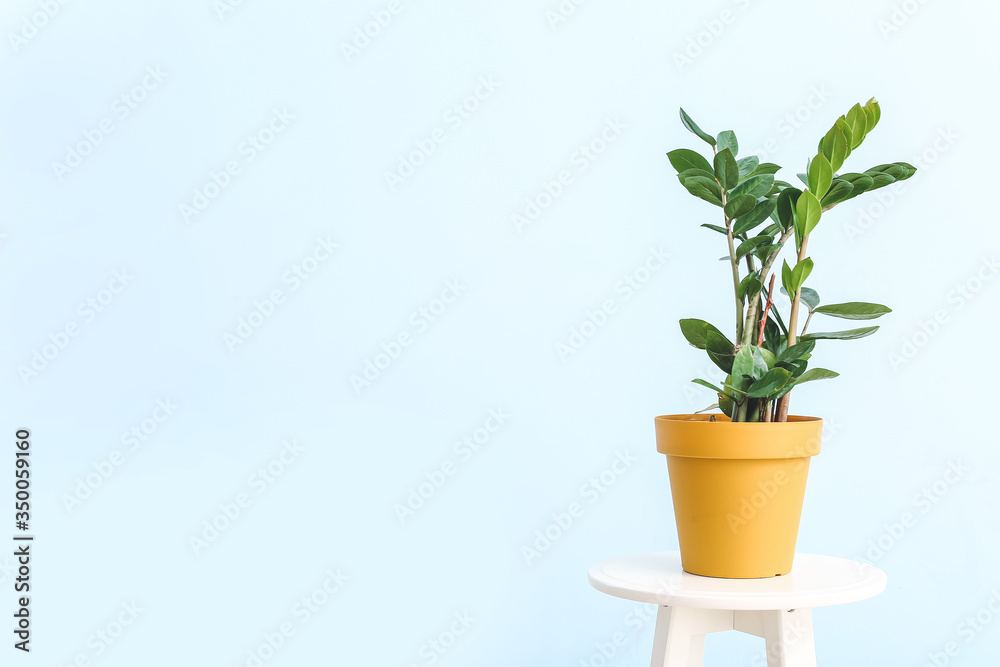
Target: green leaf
{"type": "Point", "coordinates": [695, 331]}
{"type": "Point", "coordinates": [850, 334]}
{"type": "Point", "coordinates": [797, 351]}
{"type": "Point", "coordinates": [702, 187]}
{"type": "Point", "coordinates": [761, 212]}
{"type": "Point", "coordinates": [772, 335]}
{"type": "Point", "coordinates": [788, 283]}
{"type": "Point", "coordinates": [796, 368]}
{"type": "Point", "coordinates": [848, 133]}
{"type": "Point", "coordinates": [720, 350]}
{"type": "Point", "coordinates": [693, 127]}
{"type": "Point", "coordinates": [763, 169]}
{"type": "Point", "coordinates": [897, 171]}
{"type": "Point", "coordinates": [769, 383]}
{"type": "Point", "coordinates": [726, 170]}
{"type": "Point", "coordinates": [808, 296]}
{"type": "Point", "coordinates": [854, 310]}
{"type": "Point", "coordinates": [858, 121]}
{"type": "Point", "coordinates": [759, 363]}
{"type": "Point", "coordinates": [834, 146]}
{"type": "Point", "coordinates": [839, 191]}
{"type": "Point", "coordinates": [785, 206]}
{"type": "Point", "coordinates": [873, 104]}
{"type": "Point", "coordinates": [801, 272]}
{"type": "Point", "coordinates": [749, 286]}
{"type": "Point", "coordinates": [815, 374]}
{"type": "Point", "coordinates": [860, 182]}
{"type": "Point", "coordinates": [727, 139]}
{"type": "Point", "coordinates": [684, 158]}
{"type": "Point", "coordinates": [739, 205]}
{"type": "Point", "coordinates": [820, 175]}
{"type": "Point", "coordinates": [762, 252]}
{"type": "Point", "coordinates": [747, 165]}
{"type": "Point", "coordinates": [755, 186]}
{"type": "Point", "coordinates": [769, 357]}
{"type": "Point", "coordinates": [727, 406]}
{"type": "Point", "coordinates": [716, 228]}
{"type": "Point", "coordinates": [742, 365]}
{"type": "Point", "coordinates": [750, 245]}
{"type": "Point", "coordinates": [711, 386]}
{"type": "Point", "coordinates": [807, 213]}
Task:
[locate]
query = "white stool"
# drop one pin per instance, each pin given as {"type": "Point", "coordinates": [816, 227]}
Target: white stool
{"type": "Point", "coordinates": [779, 609]}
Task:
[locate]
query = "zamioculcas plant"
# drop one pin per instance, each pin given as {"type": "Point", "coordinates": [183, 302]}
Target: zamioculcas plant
{"type": "Point", "coordinates": [770, 355]}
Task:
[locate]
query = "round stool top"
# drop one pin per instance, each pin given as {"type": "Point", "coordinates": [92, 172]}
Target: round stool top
{"type": "Point", "coordinates": [815, 581]}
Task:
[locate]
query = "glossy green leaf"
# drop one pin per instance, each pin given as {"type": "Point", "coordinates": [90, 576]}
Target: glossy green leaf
{"type": "Point", "coordinates": [859, 183]}
{"type": "Point", "coordinates": [800, 272]}
{"type": "Point", "coordinates": [727, 139]}
{"type": "Point", "coordinates": [880, 180]}
{"type": "Point", "coordinates": [834, 146]}
{"type": "Point", "coordinates": [769, 383]}
{"type": "Point", "coordinates": [716, 228]}
{"type": "Point", "coordinates": [739, 205]}
{"type": "Point", "coordinates": [755, 186]}
{"type": "Point", "coordinates": [704, 383]}
{"type": "Point", "coordinates": [726, 170]}
{"type": "Point", "coordinates": [848, 133]}
{"type": "Point", "coordinates": [797, 351]}
{"type": "Point", "coordinates": [761, 212]}
{"type": "Point", "coordinates": [742, 366]}
{"type": "Point", "coordinates": [720, 350]}
{"type": "Point", "coordinates": [815, 374]}
{"type": "Point", "coordinates": [796, 367]}
{"type": "Point", "coordinates": [759, 363]}
{"type": "Point", "coordinates": [858, 121]}
{"type": "Point", "coordinates": [693, 127]}
{"type": "Point", "coordinates": [750, 286]}
{"type": "Point", "coordinates": [787, 282]}
{"type": "Point", "coordinates": [762, 252]}
{"type": "Point", "coordinates": [850, 334]}
{"type": "Point", "coordinates": [854, 310]}
{"type": "Point", "coordinates": [808, 296]}
{"type": "Point", "coordinates": [749, 245]}
{"type": "Point", "coordinates": [784, 207]}
{"type": "Point", "coordinates": [820, 175]}
{"type": "Point", "coordinates": [702, 187]}
{"type": "Point", "coordinates": [695, 331]}
{"type": "Point", "coordinates": [873, 104]}
{"type": "Point", "coordinates": [763, 169]}
{"type": "Point", "coordinates": [807, 213]}
{"type": "Point", "coordinates": [727, 406]}
{"type": "Point", "coordinates": [684, 158]}
{"type": "Point", "coordinates": [839, 191]}
{"type": "Point", "coordinates": [747, 165]}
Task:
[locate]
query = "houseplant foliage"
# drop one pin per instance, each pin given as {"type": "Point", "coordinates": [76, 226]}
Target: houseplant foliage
{"type": "Point", "coordinates": [770, 354]}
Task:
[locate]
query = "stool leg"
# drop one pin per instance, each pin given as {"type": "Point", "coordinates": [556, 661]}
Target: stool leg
{"type": "Point", "coordinates": [789, 638]}
{"type": "Point", "coordinates": [679, 640]}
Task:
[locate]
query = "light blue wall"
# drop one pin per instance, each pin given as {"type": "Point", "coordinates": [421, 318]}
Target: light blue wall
{"type": "Point", "coordinates": [330, 124]}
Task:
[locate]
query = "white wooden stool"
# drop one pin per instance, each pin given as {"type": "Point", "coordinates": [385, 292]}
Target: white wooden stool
{"type": "Point", "coordinates": [779, 609]}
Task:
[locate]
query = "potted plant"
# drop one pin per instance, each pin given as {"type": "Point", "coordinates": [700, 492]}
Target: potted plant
{"type": "Point", "coordinates": [738, 478]}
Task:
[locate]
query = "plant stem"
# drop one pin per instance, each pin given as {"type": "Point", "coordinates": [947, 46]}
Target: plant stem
{"type": "Point", "coordinates": [767, 309]}
{"type": "Point", "coordinates": [765, 269]}
{"type": "Point", "coordinates": [733, 263]}
{"type": "Point", "coordinates": [793, 322]}
{"type": "Point", "coordinates": [806, 325]}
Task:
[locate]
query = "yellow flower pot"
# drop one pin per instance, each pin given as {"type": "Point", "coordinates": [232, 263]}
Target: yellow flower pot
{"type": "Point", "coordinates": [737, 490]}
